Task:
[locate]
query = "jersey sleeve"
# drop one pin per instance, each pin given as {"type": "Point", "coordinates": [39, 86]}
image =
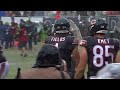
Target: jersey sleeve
{"type": "Point", "coordinates": [47, 40]}
{"type": "Point", "coordinates": [118, 44]}
{"type": "Point", "coordinates": [75, 41]}
{"type": "Point", "coordinates": [71, 42]}
{"type": "Point", "coordinates": [84, 42]}
{"type": "Point", "coordinates": [3, 59]}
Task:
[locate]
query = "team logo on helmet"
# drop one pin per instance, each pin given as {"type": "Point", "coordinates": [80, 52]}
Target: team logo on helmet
{"type": "Point", "coordinates": [102, 26]}
{"type": "Point", "coordinates": [62, 26]}
{"type": "Point", "coordinates": [58, 27]}
{"type": "Point", "coordinates": [93, 22]}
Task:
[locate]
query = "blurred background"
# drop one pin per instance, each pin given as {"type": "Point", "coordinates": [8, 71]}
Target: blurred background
{"type": "Point", "coordinates": [35, 23]}
{"type": "Point", "coordinates": [52, 13]}
{"type": "Point", "coordinates": [80, 18]}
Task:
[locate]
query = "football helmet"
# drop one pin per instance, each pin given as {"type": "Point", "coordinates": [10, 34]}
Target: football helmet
{"type": "Point", "coordinates": [62, 25]}
{"type": "Point", "coordinates": [98, 26]}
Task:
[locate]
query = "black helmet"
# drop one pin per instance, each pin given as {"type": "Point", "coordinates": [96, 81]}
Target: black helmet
{"type": "Point", "coordinates": [47, 24]}
{"type": "Point", "coordinates": [98, 26]}
{"type": "Point", "coordinates": [21, 20]}
{"type": "Point", "coordinates": [62, 26]}
{"type": "Point", "coordinates": [48, 56]}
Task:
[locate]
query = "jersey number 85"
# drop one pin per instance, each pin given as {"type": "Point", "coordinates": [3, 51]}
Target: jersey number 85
{"type": "Point", "coordinates": [103, 54]}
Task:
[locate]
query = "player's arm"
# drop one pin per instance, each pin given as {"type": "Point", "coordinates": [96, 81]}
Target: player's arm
{"type": "Point", "coordinates": [75, 56]}
{"type": "Point", "coordinates": [75, 52]}
{"type": "Point", "coordinates": [47, 40]}
{"type": "Point", "coordinates": [117, 58]}
{"type": "Point", "coordinates": [65, 65]}
{"type": "Point", "coordinates": [82, 64]}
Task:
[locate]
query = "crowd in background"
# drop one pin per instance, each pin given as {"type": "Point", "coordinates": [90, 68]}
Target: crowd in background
{"type": "Point", "coordinates": [26, 34]}
{"type": "Point", "coordinates": [21, 13]}
{"type": "Point", "coordinates": [9, 32]}
{"type": "Point", "coordinates": [64, 13]}
{"type": "Point", "coordinates": [26, 31]}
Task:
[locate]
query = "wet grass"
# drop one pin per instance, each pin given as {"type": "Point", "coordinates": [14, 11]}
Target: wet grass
{"type": "Point", "coordinates": [15, 60]}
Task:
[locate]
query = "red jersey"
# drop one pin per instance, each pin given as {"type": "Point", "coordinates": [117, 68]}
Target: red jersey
{"type": "Point", "coordinates": [13, 31]}
{"type": "Point", "coordinates": [23, 35]}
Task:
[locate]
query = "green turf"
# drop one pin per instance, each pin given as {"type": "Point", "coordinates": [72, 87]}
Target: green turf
{"type": "Point", "coordinates": [15, 60]}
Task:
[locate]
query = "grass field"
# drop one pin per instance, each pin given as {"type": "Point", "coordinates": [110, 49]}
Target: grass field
{"type": "Point", "coordinates": [15, 60]}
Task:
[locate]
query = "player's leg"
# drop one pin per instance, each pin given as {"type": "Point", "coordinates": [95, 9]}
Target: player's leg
{"type": "Point", "coordinates": [23, 48]}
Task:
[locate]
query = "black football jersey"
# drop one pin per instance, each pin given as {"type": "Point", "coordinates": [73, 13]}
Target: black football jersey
{"type": "Point", "coordinates": [100, 53]}
{"type": "Point", "coordinates": [65, 44]}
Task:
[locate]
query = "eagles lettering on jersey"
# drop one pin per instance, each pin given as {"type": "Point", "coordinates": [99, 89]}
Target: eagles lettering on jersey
{"type": "Point", "coordinates": [58, 39]}
{"type": "Point", "coordinates": [65, 44]}
{"type": "Point", "coordinates": [55, 40]}
{"type": "Point", "coordinates": [62, 41]}
{"type": "Point", "coordinates": [100, 53]}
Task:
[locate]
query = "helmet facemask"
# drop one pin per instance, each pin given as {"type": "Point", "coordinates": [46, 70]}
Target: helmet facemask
{"type": "Point", "coordinates": [62, 26]}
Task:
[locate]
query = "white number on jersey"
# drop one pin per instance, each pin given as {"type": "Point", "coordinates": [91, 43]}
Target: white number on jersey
{"type": "Point", "coordinates": [101, 56]}
{"type": "Point", "coordinates": [56, 45]}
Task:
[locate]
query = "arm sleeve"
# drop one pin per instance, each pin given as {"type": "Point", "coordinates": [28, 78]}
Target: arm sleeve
{"type": "Point", "coordinates": [71, 43]}
{"type": "Point", "coordinates": [47, 40]}
{"type": "Point", "coordinates": [117, 44]}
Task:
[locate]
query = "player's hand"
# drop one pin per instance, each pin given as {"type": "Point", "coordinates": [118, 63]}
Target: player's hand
{"type": "Point", "coordinates": [83, 43]}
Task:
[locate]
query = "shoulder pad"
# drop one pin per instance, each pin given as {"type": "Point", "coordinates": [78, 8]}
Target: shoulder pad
{"type": "Point", "coordinates": [71, 36]}
{"type": "Point", "coordinates": [75, 41]}
{"type": "Point", "coordinates": [47, 39]}
{"type": "Point", "coordinates": [115, 39]}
